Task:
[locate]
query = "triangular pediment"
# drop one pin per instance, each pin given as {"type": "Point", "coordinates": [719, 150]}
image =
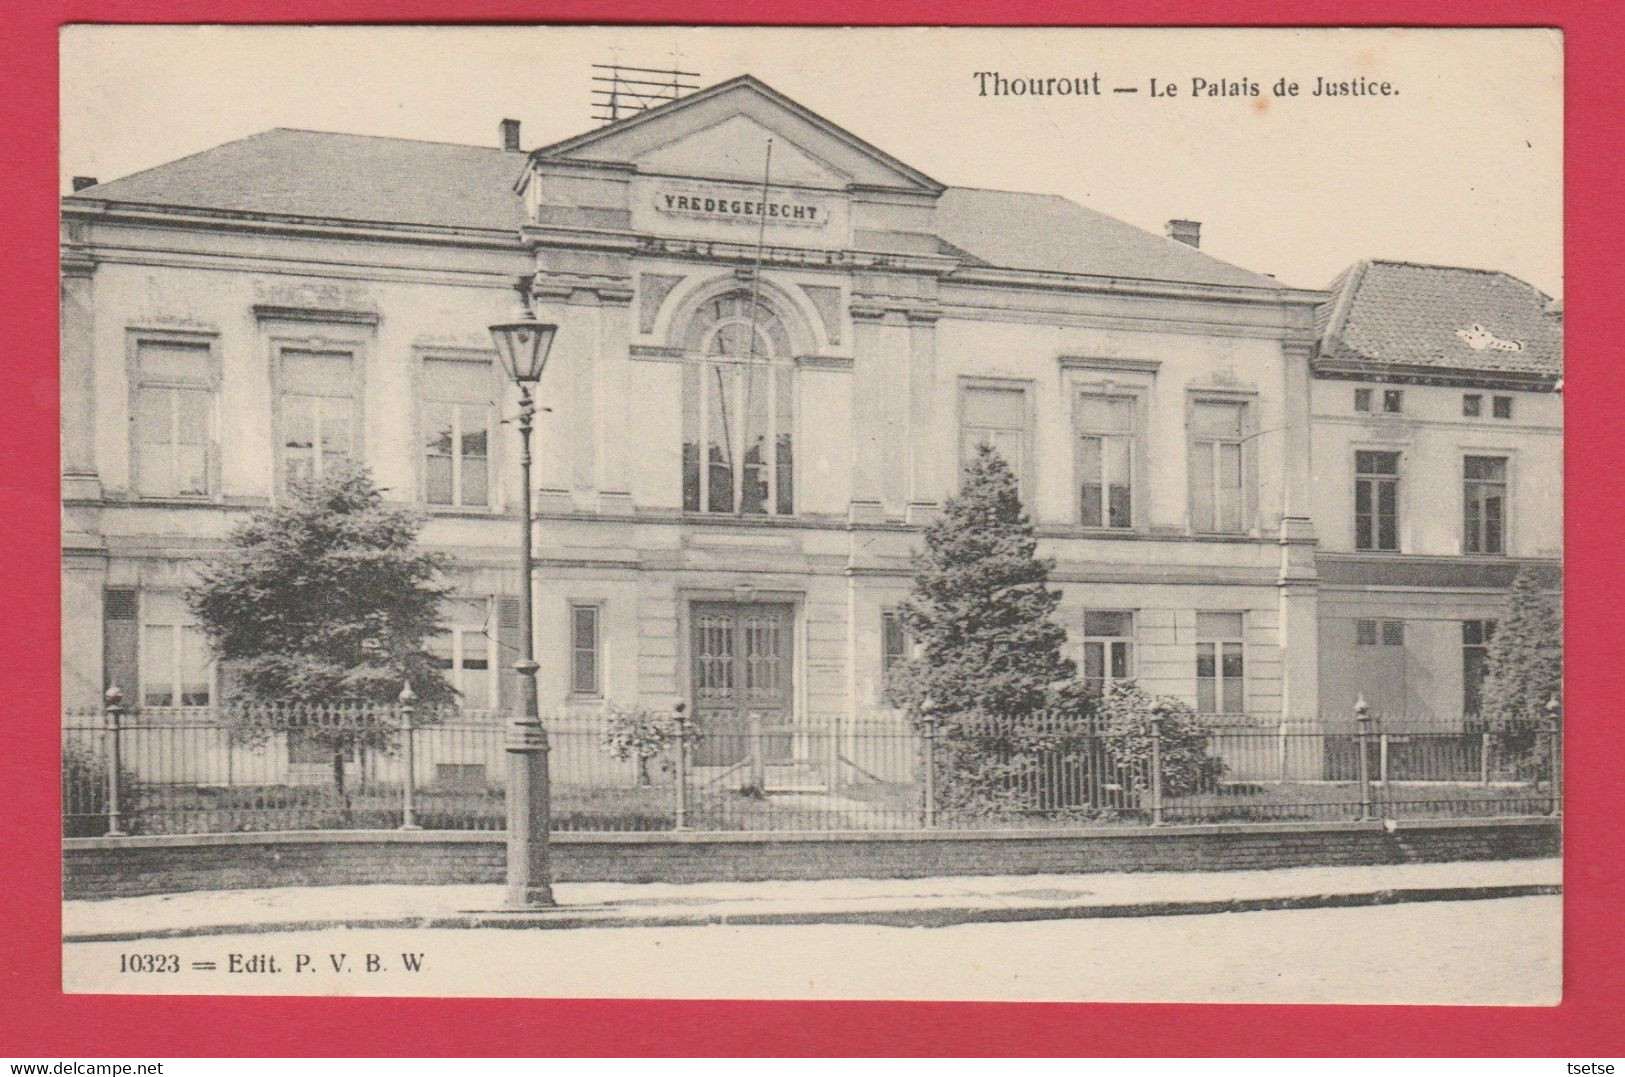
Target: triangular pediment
{"type": "Point", "coordinates": [721, 132]}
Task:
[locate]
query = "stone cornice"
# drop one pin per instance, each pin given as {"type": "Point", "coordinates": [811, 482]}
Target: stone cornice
{"type": "Point", "coordinates": [1417, 374]}
{"type": "Point", "coordinates": [196, 219]}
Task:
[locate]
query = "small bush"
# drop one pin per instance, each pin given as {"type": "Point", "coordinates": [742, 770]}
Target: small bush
{"type": "Point", "coordinates": [84, 793]}
{"type": "Point", "coordinates": [639, 734]}
{"type": "Point", "coordinates": [1127, 712]}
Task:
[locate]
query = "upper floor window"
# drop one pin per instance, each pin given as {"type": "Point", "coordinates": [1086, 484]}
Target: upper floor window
{"type": "Point", "coordinates": [1393, 401]}
{"type": "Point", "coordinates": [173, 405]}
{"type": "Point", "coordinates": [1376, 500]}
{"type": "Point", "coordinates": [1108, 648]}
{"type": "Point", "coordinates": [1501, 407]}
{"type": "Point", "coordinates": [177, 665]}
{"type": "Point", "coordinates": [1374, 632]}
{"type": "Point", "coordinates": [996, 416]}
{"type": "Point", "coordinates": [1105, 460]}
{"type": "Point", "coordinates": [1472, 405]}
{"type": "Point", "coordinates": [1484, 496]}
{"type": "Point", "coordinates": [457, 410]}
{"type": "Point", "coordinates": [1362, 400]}
{"type": "Point", "coordinates": [1217, 487]}
{"type": "Point", "coordinates": [318, 411]}
{"type": "Point", "coordinates": [466, 651]}
{"type": "Point", "coordinates": [738, 410]}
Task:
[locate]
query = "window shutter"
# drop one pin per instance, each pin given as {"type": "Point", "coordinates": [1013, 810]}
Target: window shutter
{"type": "Point", "coordinates": [508, 631]}
{"type": "Point", "coordinates": [120, 635]}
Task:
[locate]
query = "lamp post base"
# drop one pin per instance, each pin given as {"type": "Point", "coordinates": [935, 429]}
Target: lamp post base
{"type": "Point", "coordinates": [524, 898]}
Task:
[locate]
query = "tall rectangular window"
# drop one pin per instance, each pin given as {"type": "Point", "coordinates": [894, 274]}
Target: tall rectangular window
{"type": "Point", "coordinates": [176, 664]}
{"type": "Point", "coordinates": [1362, 400]}
{"type": "Point", "coordinates": [1220, 674]}
{"type": "Point", "coordinates": [1484, 498]}
{"type": "Point", "coordinates": [173, 403]}
{"type": "Point", "coordinates": [585, 679]}
{"type": "Point", "coordinates": [1217, 488]}
{"type": "Point", "coordinates": [457, 408]}
{"type": "Point", "coordinates": [318, 412]}
{"type": "Point", "coordinates": [1376, 500]}
{"type": "Point", "coordinates": [1475, 650]}
{"type": "Point", "coordinates": [894, 648]}
{"type": "Point", "coordinates": [1108, 648]}
{"type": "Point", "coordinates": [995, 416]}
{"type": "Point", "coordinates": [1105, 460]}
{"type": "Point", "coordinates": [465, 651]}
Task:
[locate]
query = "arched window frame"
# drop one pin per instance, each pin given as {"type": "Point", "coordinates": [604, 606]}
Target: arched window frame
{"type": "Point", "coordinates": [738, 406]}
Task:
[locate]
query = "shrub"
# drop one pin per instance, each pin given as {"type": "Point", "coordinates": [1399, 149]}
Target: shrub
{"type": "Point", "coordinates": [638, 734]}
{"type": "Point", "coordinates": [1126, 712]}
{"type": "Point", "coordinates": [84, 793]}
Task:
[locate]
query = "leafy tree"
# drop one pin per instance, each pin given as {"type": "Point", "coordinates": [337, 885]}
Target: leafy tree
{"type": "Point", "coordinates": [981, 606]}
{"type": "Point", "coordinates": [319, 613]}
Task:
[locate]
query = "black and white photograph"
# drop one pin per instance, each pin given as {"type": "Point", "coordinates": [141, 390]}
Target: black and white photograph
{"type": "Point", "coordinates": [1063, 515]}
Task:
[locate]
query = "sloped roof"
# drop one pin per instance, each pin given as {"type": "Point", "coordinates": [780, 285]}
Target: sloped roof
{"type": "Point", "coordinates": [1401, 313]}
{"type": "Point", "coordinates": [1045, 232]}
{"type": "Point", "coordinates": [362, 178]}
{"type": "Point", "coordinates": [287, 172]}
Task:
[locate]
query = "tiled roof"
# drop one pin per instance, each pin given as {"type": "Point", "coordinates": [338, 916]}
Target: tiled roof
{"type": "Point", "coordinates": [332, 176]}
{"type": "Point", "coordinates": [1398, 313]}
{"type": "Point", "coordinates": [313, 174]}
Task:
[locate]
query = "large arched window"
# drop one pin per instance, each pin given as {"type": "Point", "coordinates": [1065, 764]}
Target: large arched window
{"type": "Point", "coordinates": [738, 409]}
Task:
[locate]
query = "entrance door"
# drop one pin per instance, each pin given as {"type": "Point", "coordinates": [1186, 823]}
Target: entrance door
{"type": "Point", "coordinates": [740, 666]}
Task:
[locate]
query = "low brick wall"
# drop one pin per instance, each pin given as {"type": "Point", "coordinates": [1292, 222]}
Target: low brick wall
{"type": "Point", "coordinates": [123, 867]}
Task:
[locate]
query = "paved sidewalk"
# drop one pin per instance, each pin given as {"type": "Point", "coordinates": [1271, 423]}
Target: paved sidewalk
{"type": "Point", "coordinates": [904, 902]}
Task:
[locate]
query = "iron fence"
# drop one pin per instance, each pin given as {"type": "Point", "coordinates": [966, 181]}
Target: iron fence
{"type": "Point", "coordinates": [259, 768]}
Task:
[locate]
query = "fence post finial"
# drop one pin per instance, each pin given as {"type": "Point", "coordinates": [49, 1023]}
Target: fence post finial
{"type": "Point", "coordinates": [409, 759]}
{"type": "Point", "coordinates": [114, 711]}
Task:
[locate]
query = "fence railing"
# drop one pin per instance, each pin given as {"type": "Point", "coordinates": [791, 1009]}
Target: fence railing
{"type": "Point", "coordinates": [259, 768]}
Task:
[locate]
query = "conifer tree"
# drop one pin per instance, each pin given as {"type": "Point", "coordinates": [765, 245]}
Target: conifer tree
{"type": "Point", "coordinates": [1523, 668]}
{"type": "Point", "coordinates": [981, 605]}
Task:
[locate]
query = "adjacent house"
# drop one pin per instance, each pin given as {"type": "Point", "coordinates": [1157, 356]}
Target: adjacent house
{"type": "Point", "coordinates": [1438, 473]}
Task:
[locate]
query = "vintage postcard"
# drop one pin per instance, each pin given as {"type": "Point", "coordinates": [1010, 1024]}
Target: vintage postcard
{"type": "Point", "coordinates": [777, 513]}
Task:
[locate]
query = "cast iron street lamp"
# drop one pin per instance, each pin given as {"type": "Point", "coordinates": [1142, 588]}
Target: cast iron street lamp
{"type": "Point", "coordinates": [523, 345]}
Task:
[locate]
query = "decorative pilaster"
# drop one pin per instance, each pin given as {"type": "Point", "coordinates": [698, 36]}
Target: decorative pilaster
{"type": "Point", "coordinates": [80, 481]}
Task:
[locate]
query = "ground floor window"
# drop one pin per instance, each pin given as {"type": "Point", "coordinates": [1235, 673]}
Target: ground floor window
{"type": "Point", "coordinates": [585, 644]}
{"type": "Point", "coordinates": [176, 666]}
{"type": "Point", "coordinates": [1220, 672]}
{"type": "Point", "coordinates": [1475, 650]}
{"type": "Point", "coordinates": [1108, 648]}
{"type": "Point", "coordinates": [466, 651]}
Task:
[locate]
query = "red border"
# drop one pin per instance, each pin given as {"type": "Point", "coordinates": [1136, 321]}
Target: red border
{"type": "Point", "coordinates": [39, 1020]}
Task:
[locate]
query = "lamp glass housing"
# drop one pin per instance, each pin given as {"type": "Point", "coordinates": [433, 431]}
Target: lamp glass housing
{"type": "Point", "coordinates": [523, 345]}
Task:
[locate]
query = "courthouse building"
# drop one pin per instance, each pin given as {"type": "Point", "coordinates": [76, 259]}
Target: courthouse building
{"type": "Point", "coordinates": [759, 394]}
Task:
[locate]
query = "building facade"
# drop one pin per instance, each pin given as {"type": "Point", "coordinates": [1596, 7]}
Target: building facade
{"type": "Point", "coordinates": [776, 346]}
{"type": "Point", "coordinates": [1438, 473]}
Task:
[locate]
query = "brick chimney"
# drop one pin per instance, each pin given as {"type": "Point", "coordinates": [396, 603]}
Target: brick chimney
{"type": "Point", "coordinates": [1186, 232]}
{"type": "Point", "coordinates": [510, 135]}
{"type": "Point", "coordinates": [81, 182]}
